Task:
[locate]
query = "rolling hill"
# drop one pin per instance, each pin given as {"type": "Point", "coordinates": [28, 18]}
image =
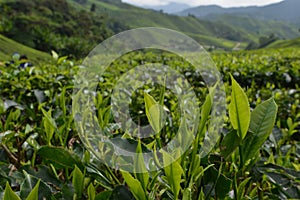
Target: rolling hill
{"type": "Point", "coordinates": [206, 32]}
{"type": "Point", "coordinates": [74, 27]}
{"type": "Point", "coordinates": [8, 47]}
{"type": "Point", "coordinates": [171, 7]}
{"type": "Point", "coordinates": [295, 43]}
{"type": "Point", "coordinates": [287, 10]}
{"type": "Point", "coordinates": [281, 19]}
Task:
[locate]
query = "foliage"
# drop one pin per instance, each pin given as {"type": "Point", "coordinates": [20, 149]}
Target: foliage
{"type": "Point", "coordinates": [56, 25]}
{"type": "Point", "coordinates": [42, 154]}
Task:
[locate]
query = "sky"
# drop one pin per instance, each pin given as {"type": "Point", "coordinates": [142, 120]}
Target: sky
{"type": "Point", "coordinates": [223, 3]}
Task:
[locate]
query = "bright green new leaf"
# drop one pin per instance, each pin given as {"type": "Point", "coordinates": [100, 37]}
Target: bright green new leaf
{"type": "Point", "coordinates": [173, 173]}
{"type": "Point", "coordinates": [91, 192]}
{"type": "Point", "coordinates": [140, 167]}
{"type": "Point", "coordinates": [135, 186]}
{"type": "Point", "coordinates": [49, 125]}
{"type": "Point", "coordinates": [239, 110]}
{"type": "Point", "coordinates": [187, 194]}
{"type": "Point", "coordinates": [155, 113]}
{"type": "Point", "coordinates": [77, 181]}
{"type": "Point", "coordinates": [9, 193]}
{"type": "Point", "coordinates": [34, 194]}
{"type": "Point", "coordinates": [241, 188]}
{"type": "Point", "coordinates": [262, 122]}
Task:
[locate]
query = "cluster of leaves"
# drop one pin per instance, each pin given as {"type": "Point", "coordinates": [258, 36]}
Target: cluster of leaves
{"type": "Point", "coordinates": [55, 25]}
{"type": "Point", "coordinates": [41, 153]}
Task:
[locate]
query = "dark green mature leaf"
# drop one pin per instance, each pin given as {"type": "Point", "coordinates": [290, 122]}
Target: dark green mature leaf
{"type": "Point", "coordinates": [230, 142]}
{"type": "Point", "coordinates": [221, 183]}
{"type": "Point", "coordinates": [60, 157]}
{"type": "Point", "coordinates": [239, 109]}
{"type": "Point", "coordinates": [67, 191]}
{"type": "Point", "coordinates": [223, 186]}
{"type": "Point", "coordinates": [108, 195]}
{"type": "Point", "coordinates": [286, 180]}
{"type": "Point", "coordinates": [99, 175]}
{"type": "Point", "coordinates": [9, 193]}
{"type": "Point", "coordinates": [27, 186]}
{"type": "Point", "coordinates": [120, 192]}
{"type": "Point", "coordinates": [262, 122]}
{"type": "Point", "coordinates": [42, 172]}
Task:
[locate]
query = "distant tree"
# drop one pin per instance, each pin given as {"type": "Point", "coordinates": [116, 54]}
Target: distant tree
{"type": "Point", "coordinates": [93, 7]}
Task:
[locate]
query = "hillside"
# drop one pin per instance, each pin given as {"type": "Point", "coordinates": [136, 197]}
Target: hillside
{"type": "Point", "coordinates": [74, 27]}
{"type": "Point", "coordinates": [171, 7]}
{"type": "Point", "coordinates": [8, 47]}
{"type": "Point", "coordinates": [55, 25]}
{"type": "Point", "coordinates": [258, 27]}
{"type": "Point", "coordinates": [281, 19]}
{"type": "Point", "coordinates": [287, 10]}
{"type": "Point", "coordinates": [295, 43]}
{"type": "Point", "coordinates": [211, 34]}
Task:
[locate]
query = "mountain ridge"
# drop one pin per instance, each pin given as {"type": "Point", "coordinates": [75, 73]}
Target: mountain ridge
{"type": "Point", "coordinates": [171, 7]}
{"type": "Point", "coordinates": [286, 10]}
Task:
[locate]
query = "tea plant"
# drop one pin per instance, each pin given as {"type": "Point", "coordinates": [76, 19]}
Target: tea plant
{"type": "Point", "coordinates": [256, 157]}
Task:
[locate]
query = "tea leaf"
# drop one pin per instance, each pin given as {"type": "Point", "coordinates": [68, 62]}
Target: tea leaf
{"type": "Point", "coordinates": [173, 173]}
{"type": "Point", "coordinates": [9, 193]}
{"type": "Point", "coordinates": [135, 186]}
{"type": "Point", "coordinates": [155, 113]}
{"type": "Point", "coordinates": [140, 167]}
{"type": "Point", "coordinates": [77, 181]}
{"type": "Point", "coordinates": [239, 109]}
{"type": "Point", "coordinates": [262, 122]}
{"type": "Point", "coordinates": [34, 194]}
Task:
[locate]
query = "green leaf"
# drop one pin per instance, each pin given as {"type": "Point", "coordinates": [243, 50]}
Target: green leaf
{"type": "Point", "coordinates": [9, 193]}
{"type": "Point", "coordinates": [135, 186]}
{"type": "Point", "coordinates": [107, 195]}
{"type": "Point", "coordinates": [54, 55]}
{"type": "Point", "coordinates": [262, 122]}
{"type": "Point", "coordinates": [28, 185]}
{"type": "Point", "coordinates": [34, 194]}
{"type": "Point", "coordinates": [120, 192]}
{"type": "Point", "coordinates": [141, 171]}
{"type": "Point", "coordinates": [173, 173]}
{"type": "Point", "coordinates": [59, 157]}
{"type": "Point", "coordinates": [241, 188]}
{"type": "Point", "coordinates": [239, 109]}
{"type": "Point", "coordinates": [77, 181]}
{"type": "Point", "coordinates": [1, 107]}
{"type": "Point", "coordinates": [187, 194]}
{"type": "Point", "coordinates": [155, 113]}
{"type": "Point", "coordinates": [61, 59]}
{"type": "Point", "coordinates": [49, 125]}
{"type": "Point", "coordinates": [91, 192]}
{"type": "Point", "coordinates": [230, 142]}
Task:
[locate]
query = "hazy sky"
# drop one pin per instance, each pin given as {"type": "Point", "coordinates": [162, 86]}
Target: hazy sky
{"type": "Point", "coordinates": [224, 3]}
